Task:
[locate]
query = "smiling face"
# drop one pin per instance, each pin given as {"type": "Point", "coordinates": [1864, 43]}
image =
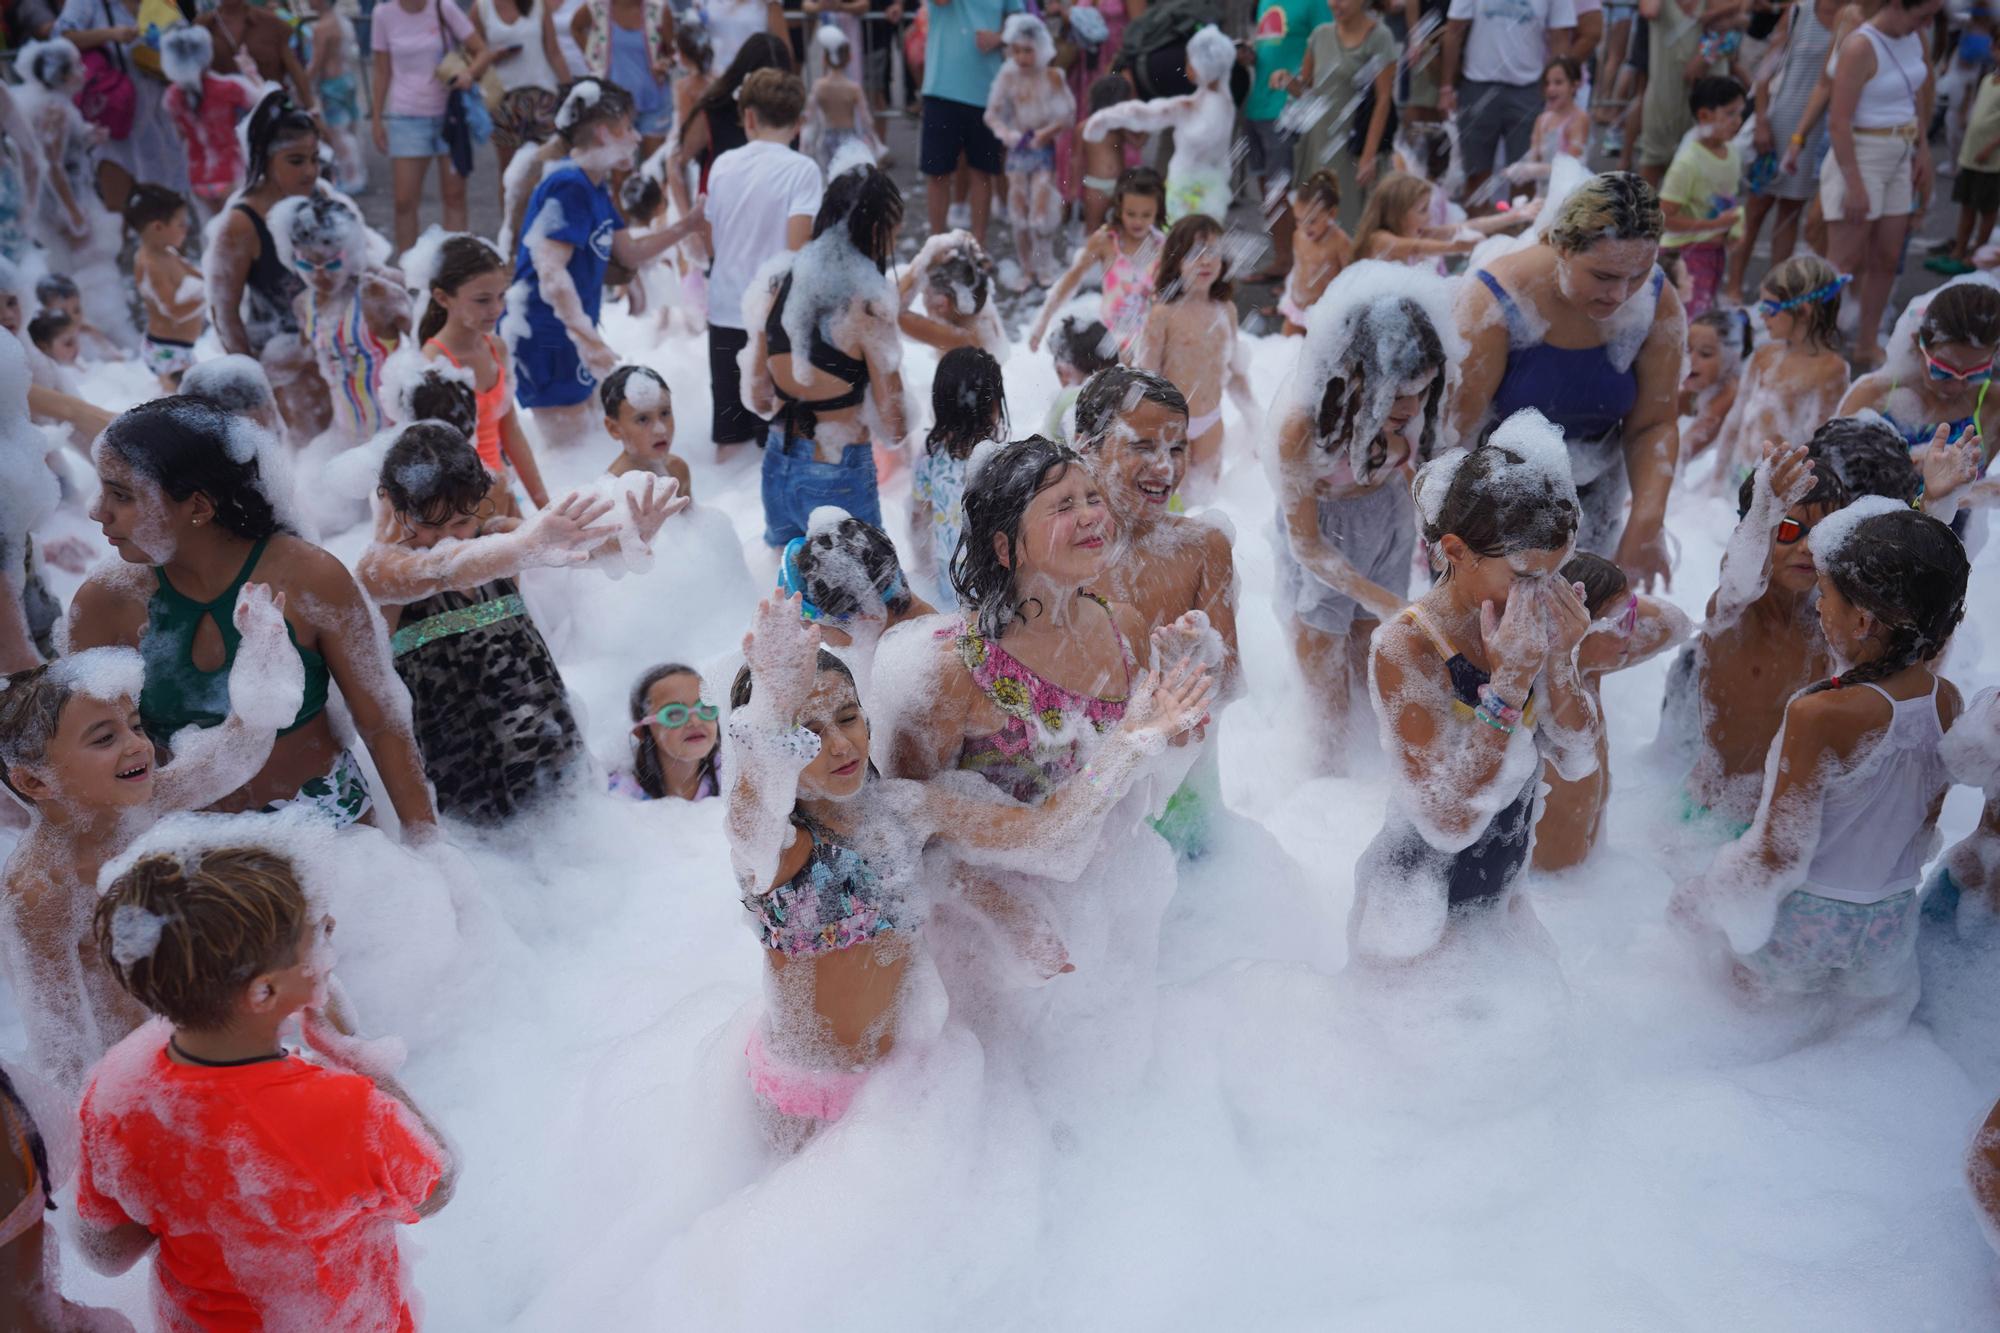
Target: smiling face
{"type": "Point", "coordinates": [99, 758]}
{"type": "Point", "coordinates": [1792, 565]}
{"type": "Point", "coordinates": [1143, 460]}
{"type": "Point", "coordinates": [1066, 531]}
{"type": "Point", "coordinates": [1557, 91]}
{"type": "Point", "coordinates": [833, 713]}
{"type": "Point", "coordinates": [1601, 279]}
{"type": "Point", "coordinates": [689, 743]}
{"type": "Point", "coordinates": [479, 304]}
{"type": "Point", "coordinates": [1704, 358]}
{"type": "Point", "coordinates": [1136, 215]}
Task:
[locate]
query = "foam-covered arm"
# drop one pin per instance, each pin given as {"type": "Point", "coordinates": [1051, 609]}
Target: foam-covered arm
{"type": "Point", "coordinates": [766, 755]}
{"type": "Point", "coordinates": [399, 575]}
{"type": "Point", "coordinates": [1162, 113]}
{"type": "Point", "coordinates": [1568, 730]}
{"type": "Point", "coordinates": [1746, 559]}
{"type": "Point", "coordinates": [267, 687]}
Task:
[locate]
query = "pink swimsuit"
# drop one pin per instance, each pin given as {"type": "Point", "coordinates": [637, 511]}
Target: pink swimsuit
{"type": "Point", "coordinates": [1128, 289]}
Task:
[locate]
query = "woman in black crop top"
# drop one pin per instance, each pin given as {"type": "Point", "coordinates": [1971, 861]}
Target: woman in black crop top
{"type": "Point", "coordinates": [836, 305]}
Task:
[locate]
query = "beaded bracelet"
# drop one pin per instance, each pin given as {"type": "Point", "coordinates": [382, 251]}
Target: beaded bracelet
{"type": "Point", "coordinates": [1490, 700]}
{"type": "Point", "coordinates": [1505, 728]}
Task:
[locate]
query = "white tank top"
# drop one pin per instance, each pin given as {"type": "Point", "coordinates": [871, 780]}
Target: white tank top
{"type": "Point", "coordinates": [1889, 98]}
{"type": "Point", "coordinates": [1872, 832]}
{"type": "Point", "coordinates": [530, 67]}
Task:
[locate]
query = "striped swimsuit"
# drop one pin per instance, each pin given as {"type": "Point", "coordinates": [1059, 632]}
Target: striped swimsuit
{"type": "Point", "coordinates": [350, 357]}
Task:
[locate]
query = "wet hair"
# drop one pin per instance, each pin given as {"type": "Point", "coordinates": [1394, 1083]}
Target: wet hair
{"type": "Point", "coordinates": [968, 402]}
{"type": "Point", "coordinates": [320, 221]}
{"type": "Point", "coordinates": [52, 62]}
{"type": "Point", "coordinates": [446, 398]}
{"type": "Point", "coordinates": [56, 287]}
{"type": "Point", "coordinates": [1322, 188]}
{"type": "Point", "coordinates": [850, 567]}
{"type": "Point", "coordinates": [826, 663]}
{"type": "Point", "coordinates": [610, 103]}
{"type": "Point", "coordinates": [996, 500]}
{"type": "Point", "coordinates": [1908, 571]}
{"type": "Point", "coordinates": [1109, 394]}
{"type": "Point", "coordinates": [1728, 324]}
{"type": "Point", "coordinates": [1602, 580]}
{"type": "Point", "coordinates": [1865, 456]}
{"type": "Point", "coordinates": [1084, 344]}
{"type": "Point", "coordinates": [431, 473]}
{"type": "Point", "coordinates": [1142, 181]}
{"type": "Point", "coordinates": [966, 267]}
{"type": "Point", "coordinates": [1713, 93]}
{"type": "Point", "coordinates": [1962, 312]}
{"type": "Point", "coordinates": [641, 198]}
{"type": "Point", "coordinates": [1610, 206]}
{"type": "Point", "coordinates": [185, 446]}
{"type": "Point", "coordinates": [276, 120]}
{"type": "Point", "coordinates": [459, 260]}
{"type": "Point", "coordinates": [778, 96]}
{"type": "Point", "coordinates": [693, 44]}
{"type": "Point", "coordinates": [31, 708]}
{"type": "Point", "coordinates": [867, 202]}
{"type": "Point", "coordinates": [148, 204]}
{"type": "Point", "coordinates": [1392, 344]}
{"type": "Point", "coordinates": [47, 326]}
{"type": "Point", "coordinates": [646, 769]}
{"type": "Point", "coordinates": [38, 1153]}
{"type": "Point", "coordinates": [1800, 276]}
{"type": "Point", "coordinates": [213, 920]}
{"type": "Point", "coordinates": [1829, 489]}
{"type": "Point", "coordinates": [1192, 230]}
{"type": "Point", "coordinates": [1107, 90]}
{"type": "Point", "coordinates": [218, 383]}
{"type": "Point", "coordinates": [1392, 198]}
{"type": "Point", "coordinates": [760, 50]}
{"type": "Point", "coordinates": [1570, 68]}
{"type": "Point", "coordinates": [1497, 505]}
{"type": "Point", "coordinates": [616, 390]}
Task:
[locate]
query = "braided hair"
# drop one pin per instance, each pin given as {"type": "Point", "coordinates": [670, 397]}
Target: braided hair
{"type": "Point", "coordinates": [1909, 572]}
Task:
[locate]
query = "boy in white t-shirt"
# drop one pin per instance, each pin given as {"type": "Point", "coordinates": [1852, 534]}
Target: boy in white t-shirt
{"type": "Point", "coordinates": [761, 201]}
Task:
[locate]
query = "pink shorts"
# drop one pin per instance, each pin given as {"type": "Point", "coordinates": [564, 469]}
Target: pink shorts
{"type": "Point", "coordinates": [810, 1094]}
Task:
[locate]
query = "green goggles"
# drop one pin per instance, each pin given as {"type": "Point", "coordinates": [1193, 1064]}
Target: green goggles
{"type": "Point", "coordinates": [679, 715]}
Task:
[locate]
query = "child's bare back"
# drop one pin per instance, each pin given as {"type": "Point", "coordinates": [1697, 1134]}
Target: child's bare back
{"type": "Point", "coordinates": [1315, 263]}
{"type": "Point", "coordinates": [838, 99]}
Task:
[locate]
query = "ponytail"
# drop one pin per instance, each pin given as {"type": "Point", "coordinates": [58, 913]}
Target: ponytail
{"type": "Point", "coordinates": [274, 121]}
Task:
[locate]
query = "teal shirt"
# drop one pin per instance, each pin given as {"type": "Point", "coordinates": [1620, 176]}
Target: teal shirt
{"type": "Point", "coordinates": [954, 66]}
{"type": "Point", "coordinates": [1279, 43]}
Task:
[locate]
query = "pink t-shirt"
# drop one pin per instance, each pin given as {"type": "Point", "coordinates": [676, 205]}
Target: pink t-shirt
{"type": "Point", "coordinates": [415, 43]}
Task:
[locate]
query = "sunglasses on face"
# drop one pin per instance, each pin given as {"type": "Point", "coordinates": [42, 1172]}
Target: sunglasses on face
{"type": "Point", "coordinates": [675, 716]}
{"type": "Point", "coordinates": [1790, 530]}
{"type": "Point", "coordinates": [1941, 370]}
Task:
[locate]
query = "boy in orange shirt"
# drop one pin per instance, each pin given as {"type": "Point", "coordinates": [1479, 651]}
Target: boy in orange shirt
{"type": "Point", "coordinates": [271, 1185]}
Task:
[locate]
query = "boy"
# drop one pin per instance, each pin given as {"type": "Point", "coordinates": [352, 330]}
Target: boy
{"type": "Point", "coordinates": [176, 302]}
{"type": "Point", "coordinates": [271, 1185]}
{"type": "Point", "coordinates": [762, 198]}
{"type": "Point", "coordinates": [1700, 191]}
{"type": "Point", "coordinates": [55, 334]}
{"type": "Point", "coordinates": [571, 234]}
{"type": "Point", "coordinates": [1976, 191]}
{"type": "Point", "coordinates": [639, 415]}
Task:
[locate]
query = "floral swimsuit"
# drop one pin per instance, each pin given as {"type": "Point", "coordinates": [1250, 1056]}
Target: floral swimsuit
{"type": "Point", "coordinates": [833, 903]}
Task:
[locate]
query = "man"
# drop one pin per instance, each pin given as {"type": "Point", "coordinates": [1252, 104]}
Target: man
{"type": "Point", "coordinates": [961, 55]}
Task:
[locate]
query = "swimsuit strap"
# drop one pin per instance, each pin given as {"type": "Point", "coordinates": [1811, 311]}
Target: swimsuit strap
{"type": "Point", "coordinates": [227, 594]}
{"type": "Point", "coordinates": [1516, 324]}
{"type": "Point", "coordinates": [1125, 653]}
{"type": "Point", "coordinates": [1417, 616]}
{"type": "Point", "coordinates": [434, 342]}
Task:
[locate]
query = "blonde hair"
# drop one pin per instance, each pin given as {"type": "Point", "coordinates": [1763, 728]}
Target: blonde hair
{"type": "Point", "coordinates": [1801, 276]}
{"type": "Point", "coordinates": [1611, 206]}
{"type": "Point", "coordinates": [1396, 195]}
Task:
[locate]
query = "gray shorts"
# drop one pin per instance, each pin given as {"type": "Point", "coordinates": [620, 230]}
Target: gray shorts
{"type": "Point", "coordinates": [1376, 532]}
{"type": "Point", "coordinates": [1270, 149]}
{"type": "Point", "coordinates": [1493, 114]}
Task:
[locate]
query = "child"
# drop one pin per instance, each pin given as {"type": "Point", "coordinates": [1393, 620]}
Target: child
{"type": "Point", "coordinates": [33, 1301]}
{"type": "Point", "coordinates": [850, 582]}
{"type": "Point", "coordinates": [55, 334]}
{"type": "Point", "coordinates": [1717, 342]}
{"type": "Point", "coordinates": [676, 742]}
{"type": "Point", "coordinates": [168, 282]}
{"type": "Point", "coordinates": [1796, 379]}
{"type": "Point", "coordinates": [1396, 225]}
{"type": "Point", "coordinates": [1190, 337]}
{"type": "Point", "coordinates": [1563, 128]}
{"type": "Point", "coordinates": [1625, 630]}
{"type": "Point", "coordinates": [639, 415]}
{"type": "Point", "coordinates": [1942, 374]}
{"type": "Point", "coordinates": [72, 750]}
{"type": "Point", "coordinates": [353, 312]}
{"type": "Point", "coordinates": [1374, 378]}
{"type": "Point", "coordinates": [1474, 685]}
{"type": "Point", "coordinates": [57, 291]}
{"type": "Point", "coordinates": [1080, 346]}
{"type": "Point", "coordinates": [968, 408]}
{"type": "Point", "coordinates": [237, 385]}
{"type": "Point", "coordinates": [1106, 160]}
{"type": "Point", "coordinates": [956, 277]}
{"type": "Point", "coordinates": [271, 1185]}
{"type": "Point", "coordinates": [468, 299]}
{"type": "Point", "coordinates": [332, 73]}
{"type": "Point", "coordinates": [1320, 249]}
{"type": "Point", "coordinates": [1977, 189]}
{"type": "Point", "coordinates": [444, 395]}
{"type": "Point", "coordinates": [1127, 249]}
{"type": "Point", "coordinates": [837, 110]}
{"type": "Point", "coordinates": [1820, 896]}
{"type": "Point", "coordinates": [487, 704]}
{"type": "Point", "coordinates": [1699, 194]}
{"type": "Point", "coordinates": [204, 107]}
{"type": "Point", "coordinates": [1203, 124]}
{"type": "Point", "coordinates": [1028, 106]}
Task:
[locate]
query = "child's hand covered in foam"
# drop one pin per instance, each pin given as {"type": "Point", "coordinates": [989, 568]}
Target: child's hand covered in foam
{"type": "Point", "coordinates": [267, 680]}
{"type": "Point", "coordinates": [782, 651]}
{"type": "Point", "coordinates": [569, 530]}
{"type": "Point", "coordinates": [1168, 702]}
{"type": "Point", "coordinates": [374, 1059]}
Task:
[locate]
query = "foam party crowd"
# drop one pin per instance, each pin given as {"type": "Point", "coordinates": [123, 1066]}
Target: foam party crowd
{"type": "Point", "coordinates": [974, 655]}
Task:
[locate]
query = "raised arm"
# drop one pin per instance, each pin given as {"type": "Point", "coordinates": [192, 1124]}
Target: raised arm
{"type": "Point", "coordinates": [1162, 113]}
{"type": "Point", "coordinates": [267, 684]}
{"type": "Point", "coordinates": [1094, 251]}
{"type": "Point", "coordinates": [564, 534]}
{"type": "Point", "coordinates": [768, 749]}
{"type": "Point", "coordinates": [1784, 478]}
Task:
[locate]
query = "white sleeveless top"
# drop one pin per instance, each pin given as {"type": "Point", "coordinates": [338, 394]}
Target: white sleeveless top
{"type": "Point", "coordinates": [1872, 834]}
{"type": "Point", "coordinates": [530, 68]}
{"type": "Point", "coordinates": [1889, 98]}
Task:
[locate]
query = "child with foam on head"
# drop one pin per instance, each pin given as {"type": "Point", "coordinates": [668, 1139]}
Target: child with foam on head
{"type": "Point", "coordinates": [52, 75]}
{"type": "Point", "coordinates": [676, 741]}
{"type": "Point", "coordinates": [59, 292]}
{"type": "Point", "coordinates": [204, 107]}
{"type": "Point", "coordinates": [1203, 123]}
{"type": "Point", "coordinates": [238, 386]}
{"type": "Point", "coordinates": [1702, 189]}
{"type": "Point", "coordinates": [265, 1187]}
{"type": "Point", "coordinates": [1190, 338]}
{"type": "Point", "coordinates": [168, 283]}
{"type": "Point", "coordinates": [467, 282]}
{"type": "Point", "coordinates": [488, 707]}
{"type": "Point", "coordinates": [1820, 896]}
{"type": "Point", "coordinates": [1320, 249]}
{"type": "Point", "coordinates": [639, 416]}
{"type": "Point", "coordinates": [352, 312]}
{"type": "Point", "coordinates": [1127, 249]}
{"type": "Point", "coordinates": [827, 854]}
{"type": "Point", "coordinates": [1028, 107]}
{"type": "Point", "coordinates": [1718, 344]}
{"type": "Point", "coordinates": [837, 111]}
{"type": "Point", "coordinates": [956, 277]}
{"type": "Point", "coordinates": [968, 409]}
{"type": "Point", "coordinates": [850, 583]}
{"type": "Point", "coordinates": [1797, 376]}
{"type": "Point", "coordinates": [1080, 344]}
{"type": "Point", "coordinates": [1625, 630]}
{"type": "Point", "coordinates": [1375, 375]}
{"type": "Point", "coordinates": [72, 749]}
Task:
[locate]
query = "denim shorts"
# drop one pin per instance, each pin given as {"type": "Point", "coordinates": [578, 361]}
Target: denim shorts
{"type": "Point", "coordinates": [796, 483]}
{"type": "Point", "coordinates": [416, 136]}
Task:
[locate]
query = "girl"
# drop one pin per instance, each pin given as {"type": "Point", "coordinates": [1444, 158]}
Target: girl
{"type": "Point", "coordinates": [837, 109]}
{"type": "Point", "coordinates": [353, 312]}
{"type": "Point", "coordinates": [1718, 342]}
{"type": "Point", "coordinates": [968, 408]}
{"type": "Point", "coordinates": [468, 298]}
{"type": "Point", "coordinates": [630, 43]}
{"type": "Point", "coordinates": [1190, 337]}
{"type": "Point", "coordinates": [1106, 160]}
{"type": "Point", "coordinates": [1203, 123]}
{"type": "Point", "coordinates": [851, 584]}
{"type": "Point", "coordinates": [31, 1300]}
{"type": "Point", "coordinates": [1320, 249]}
{"type": "Point", "coordinates": [1396, 226]}
{"type": "Point", "coordinates": [1940, 373]}
{"type": "Point", "coordinates": [52, 75]}
{"type": "Point", "coordinates": [1474, 685]}
{"type": "Point", "coordinates": [956, 277]}
{"type": "Point", "coordinates": [639, 415]}
{"type": "Point", "coordinates": [1820, 896]}
{"type": "Point", "coordinates": [252, 293]}
{"type": "Point", "coordinates": [1797, 378]}
{"type": "Point", "coordinates": [1372, 382]}
{"type": "Point", "coordinates": [530, 68]}
{"type": "Point", "coordinates": [487, 704]}
{"type": "Point", "coordinates": [1563, 128]}
{"type": "Point", "coordinates": [1345, 86]}
{"type": "Point", "coordinates": [676, 743]}
{"type": "Point", "coordinates": [1625, 630]}
{"type": "Point", "coordinates": [1126, 249]}
{"type": "Point", "coordinates": [1028, 107]}
{"type": "Point", "coordinates": [825, 852]}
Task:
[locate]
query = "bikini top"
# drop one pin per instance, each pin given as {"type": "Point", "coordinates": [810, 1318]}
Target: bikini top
{"type": "Point", "coordinates": [491, 402]}
{"type": "Point", "coordinates": [180, 694]}
{"type": "Point", "coordinates": [834, 902]}
{"type": "Point", "coordinates": [1577, 388]}
{"type": "Point", "coordinates": [1919, 435]}
{"type": "Point", "coordinates": [823, 356]}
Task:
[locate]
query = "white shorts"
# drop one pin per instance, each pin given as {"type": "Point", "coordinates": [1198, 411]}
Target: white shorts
{"type": "Point", "coordinates": [1887, 162]}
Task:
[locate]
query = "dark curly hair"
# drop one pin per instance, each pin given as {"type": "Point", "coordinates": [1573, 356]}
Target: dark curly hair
{"type": "Point", "coordinates": [1487, 506]}
{"type": "Point", "coordinates": [183, 446]}
{"type": "Point", "coordinates": [1388, 347]}
{"type": "Point", "coordinates": [1908, 571]}
{"type": "Point", "coordinates": [1867, 457]}
{"type": "Point", "coordinates": [432, 473]}
{"type": "Point", "coordinates": [995, 501]}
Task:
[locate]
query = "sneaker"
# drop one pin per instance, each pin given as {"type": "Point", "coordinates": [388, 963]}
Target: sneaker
{"type": "Point", "coordinates": [1948, 266]}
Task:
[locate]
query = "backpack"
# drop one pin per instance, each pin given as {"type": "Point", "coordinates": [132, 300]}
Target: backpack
{"type": "Point", "coordinates": [108, 98]}
{"type": "Point", "coordinates": [1165, 23]}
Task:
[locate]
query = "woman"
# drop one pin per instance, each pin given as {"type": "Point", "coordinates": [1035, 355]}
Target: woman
{"type": "Point", "coordinates": [1350, 69]}
{"type": "Point", "coordinates": [631, 42]}
{"type": "Point", "coordinates": [529, 62]}
{"type": "Point", "coordinates": [825, 405]}
{"type": "Point", "coordinates": [1583, 327]}
{"type": "Point", "coordinates": [410, 38]}
{"type": "Point", "coordinates": [1880, 164]}
{"type": "Point", "coordinates": [713, 127]}
{"type": "Point", "coordinates": [147, 150]}
{"type": "Point", "coordinates": [250, 290]}
{"type": "Point", "coordinates": [186, 492]}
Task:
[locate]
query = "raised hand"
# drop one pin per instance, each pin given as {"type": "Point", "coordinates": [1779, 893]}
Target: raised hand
{"type": "Point", "coordinates": [651, 507]}
{"type": "Point", "coordinates": [1568, 617]}
{"type": "Point", "coordinates": [1949, 464]}
{"type": "Point", "coordinates": [1167, 703]}
{"type": "Point", "coordinates": [1785, 473]}
{"type": "Point", "coordinates": [569, 530]}
{"type": "Point", "coordinates": [1517, 639]}
{"type": "Point", "coordinates": [267, 679]}
{"type": "Point", "coordinates": [782, 651]}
